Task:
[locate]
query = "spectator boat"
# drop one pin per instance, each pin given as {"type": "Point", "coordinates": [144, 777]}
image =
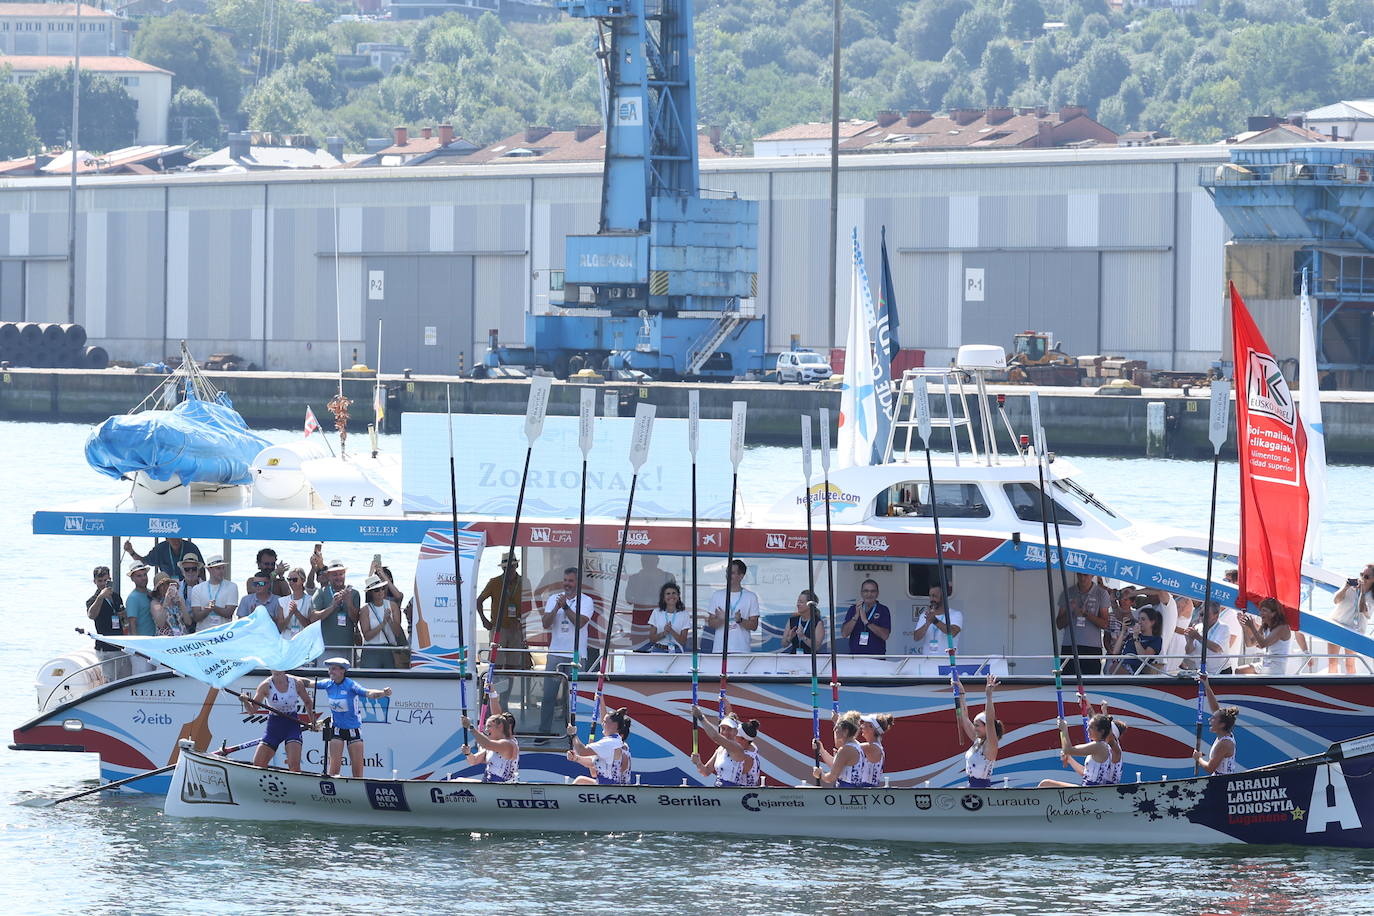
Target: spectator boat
{"type": "Point", "coordinates": [1325, 800]}
{"type": "Point", "coordinates": [988, 499]}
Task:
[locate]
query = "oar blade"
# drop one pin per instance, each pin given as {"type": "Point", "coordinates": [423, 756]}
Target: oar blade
{"type": "Point", "coordinates": [693, 422]}
{"type": "Point", "coordinates": [806, 447]}
{"type": "Point", "coordinates": [640, 436]}
{"type": "Point", "coordinates": [738, 412]}
{"type": "Point", "coordinates": [537, 407]}
{"type": "Point", "coordinates": [825, 438]}
{"type": "Point", "coordinates": [586, 421]}
{"type": "Point", "coordinates": [1220, 419]}
{"type": "Point", "coordinates": [923, 410]}
{"type": "Point", "coordinates": [1037, 432]}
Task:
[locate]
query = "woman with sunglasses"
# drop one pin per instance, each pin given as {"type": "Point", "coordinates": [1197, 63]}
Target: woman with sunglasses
{"type": "Point", "coordinates": [296, 604]}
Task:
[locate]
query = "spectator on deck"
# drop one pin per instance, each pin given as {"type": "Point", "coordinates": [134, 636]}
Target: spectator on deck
{"type": "Point", "coordinates": [514, 654]}
{"type": "Point", "coordinates": [743, 613]}
{"type": "Point", "coordinates": [138, 612]}
{"type": "Point", "coordinates": [1222, 642]}
{"type": "Point", "coordinates": [867, 623]}
{"type": "Point", "coordinates": [191, 576]}
{"type": "Point", "coordinates": [273, 570]}
{"type": "Point", "coordinates": [165, 606]}
{"type": "Point", "coordinates": [379, 619]}
{"type": "Point", "coordinates": [670, 624]}
{"type": "Point", "coordinates": [166, 555]}
{"type": "Point", "coordinates": [1139, 642]}
{"type": "Point", "coordinates": [216, 598]}
{"type": "Point", "coordinates": [564, 611]}
{"type": "Point", "coordinates": [296, 604]}
{"type": "Point", "coordinates": [1353, 604]}
{"type": "Point", "coordinates": [336, 606]}
{"type": "Point", "coordinates": [106, 610]}
{"type": "Point", "coordinates": [805, 631]}
{"type": "Point", "coordinates": [931, 636]}
{"type": "Point", "coordinates": [1081, 619]}
{"type": "Point", "coordinates": [261, 595]}
{"type": "Point", "coordinates": [1272, 635]}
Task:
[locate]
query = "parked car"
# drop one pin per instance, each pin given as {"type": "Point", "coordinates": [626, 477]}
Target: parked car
{"type": "Point", "coordinates": [802, 366]}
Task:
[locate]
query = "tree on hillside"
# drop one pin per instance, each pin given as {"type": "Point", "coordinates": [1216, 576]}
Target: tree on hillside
{"type": "Point", "coordinates": [279, 104]}
{"type": "Point", "coordinates": [926, 27]}
{"type": "Point", "coordinates": [200, 57]}
{"type": "Point", "coordinates": [974, 30]}
{"type": "Point", "coordinates": [999, 72]}
{"type": "Point", "coordinates": [1024, 18]}
{"type": "Point", "coordinates": [249, 22]}
{"type": "Point", "coordinates": [108, 115]}
{"type": "Point", "coordinates": [16, 124]}
{"type": "Point", "coordinates": [193, 118]}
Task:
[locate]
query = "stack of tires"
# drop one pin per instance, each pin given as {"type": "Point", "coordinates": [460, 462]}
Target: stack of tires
{"type": "Point", "coordinates": [49, 346]}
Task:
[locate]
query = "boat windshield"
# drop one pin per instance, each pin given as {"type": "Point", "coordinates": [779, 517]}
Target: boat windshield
{"type": "Point", "coordinates": [952, 500]}
{"type": "Point", "coordinates": [1025, 501]}
{"type": "Point", "coordinates": [1097, 507]}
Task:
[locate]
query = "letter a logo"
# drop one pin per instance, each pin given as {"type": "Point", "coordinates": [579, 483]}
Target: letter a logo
{"type": "Point", "coordinates": [1333, 806]}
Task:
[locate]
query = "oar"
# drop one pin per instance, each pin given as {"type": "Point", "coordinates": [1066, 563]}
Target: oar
{"type": "Point", "coordinates": [1049, 508]}
{"type": "Point", "coordinates": [738, 411]}
{"type": "Point", "coordinates": [1049, 572]}
{"type": "Point", "coordinates": [1217, 425]}
{"type": "Point", "coordinates": [536, 408]}
{"type": "Point", "coordinates": [923, 425]}
{"type": "Point", "coordinates": [49, 802]}
{"type": "Point", "coordinates": [811, 589]}
{"type": "Point", "coordinates": [829, 560]}
{"type": "Point", "coordinates": [457, 566]}
{"type": "Point", "coordinates": [586, 420]}
{"type": "Point", "coordinates": [693, 430]}
{"type": "Point", "coordinates": [639, 451]}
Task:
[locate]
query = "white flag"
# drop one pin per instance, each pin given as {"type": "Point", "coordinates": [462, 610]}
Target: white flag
{"type": "Point", "coordinates": [858, 396]}
{"type": "Point", "coordinates": [1310, 411]}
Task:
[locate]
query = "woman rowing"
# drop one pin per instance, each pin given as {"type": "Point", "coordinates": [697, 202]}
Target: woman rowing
{"type": "Point", "coordinates": [847, 763]}
{"type": "Point", "coordinates": [1096, 768]}
{"type": "Point", "coordinates": [289, 697]}
{"type": "Point", "coordinates": [608, 759]}
{"type": "Point", "coordinates": [498, 748]}
{"type": "Point", "coordinates": [736, 761]}
{"type": "Point", "coordinates": [872, 728]}
{"type": "Point", "coordinates": [1221, 756]}
{"type": "Point", "coordinates": [981, 756]}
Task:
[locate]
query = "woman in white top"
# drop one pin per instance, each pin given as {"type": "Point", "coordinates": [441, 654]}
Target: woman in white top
{"type": "Point", "coordinates": [846, 764]}
{"type": "Point", "coordinates": [872, 729]}
{"type": "Point", "coordinates": [736, 761]}
{"type": "Point", "coordinates": [1221, 756]}
{"type": "Point", "coordinates": [1096, 752]}
{"type": "Point", "coordinates": [296, 605]}
{"type": "Point", "coordinates": [608, 759]}
{"type": "Point", "coordinates": [499, 749]}
{"type": "Point", "coordinates": [1272, 634]}
{"type": "Point", "coordinates": [981, 756]}
{"type": "Point", "coordinates": [380, 621]}
{"type": "Point", "coordinates": [670, 623]}
{"type": "Point", "coordinates": [1353, 605]}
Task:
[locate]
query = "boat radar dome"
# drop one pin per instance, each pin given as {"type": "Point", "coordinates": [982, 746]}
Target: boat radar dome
{"type": "Point", "coordinates": [981, 356]}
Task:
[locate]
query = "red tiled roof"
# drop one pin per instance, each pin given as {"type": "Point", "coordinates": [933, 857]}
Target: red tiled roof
{"type": "Point", "coordinates": [816, 130]}
{"type": "Point", "coordinates": [32, 63]}
{"type": "Point", "coordinates": [944, 133]}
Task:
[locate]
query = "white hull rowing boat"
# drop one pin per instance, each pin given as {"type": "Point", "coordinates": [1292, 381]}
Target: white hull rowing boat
{"type": "Point", "coordinates": [1322, 801]}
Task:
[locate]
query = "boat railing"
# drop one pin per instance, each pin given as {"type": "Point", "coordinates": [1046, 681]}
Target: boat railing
{"type": "Point", "coordinates": [950, 385]}
{"type": "Point", "coordinates": [85, 679]}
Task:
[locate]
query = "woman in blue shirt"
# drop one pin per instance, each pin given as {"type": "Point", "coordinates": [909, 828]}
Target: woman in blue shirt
{"type": "Point", "coordinates": [343, 692]}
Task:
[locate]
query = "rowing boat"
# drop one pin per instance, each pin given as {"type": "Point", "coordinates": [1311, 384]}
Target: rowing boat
{"type": "Point", "coordinates": [1323, 800]}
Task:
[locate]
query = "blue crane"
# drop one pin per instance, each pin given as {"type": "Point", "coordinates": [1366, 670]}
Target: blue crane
{"type": "Point", "coordinates": [667, 282]}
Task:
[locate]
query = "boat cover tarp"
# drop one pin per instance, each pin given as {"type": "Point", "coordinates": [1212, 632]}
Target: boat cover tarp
{"type": "Point", "coordinates": [198, 441]}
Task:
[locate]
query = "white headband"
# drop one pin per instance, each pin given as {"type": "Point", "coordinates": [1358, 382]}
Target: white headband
{"type": "Point", "coordinates": [873, 721]}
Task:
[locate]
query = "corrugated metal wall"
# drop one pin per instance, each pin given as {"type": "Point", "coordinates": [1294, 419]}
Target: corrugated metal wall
{"type": "Point", "coordinates": [1113, 252]}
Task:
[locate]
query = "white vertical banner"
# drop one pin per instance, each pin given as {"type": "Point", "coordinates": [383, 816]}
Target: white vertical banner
{"type": "Point", "coordinates": [858, 395]}
{"type": "Point", "coordinates": [1310, 412]}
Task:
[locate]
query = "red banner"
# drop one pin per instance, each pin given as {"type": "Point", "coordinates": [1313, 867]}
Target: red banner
{"type": "Point", "coordinates": [1273, 490]}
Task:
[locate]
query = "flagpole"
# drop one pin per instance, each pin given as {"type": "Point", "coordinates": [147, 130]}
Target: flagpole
{"type": "Point", "coordinates": [829, 560]}
{"type": "Point", "coordinates": [693, 424]}
{"type": "Point", "coordinates": [811, 590]}
{"type": "Point", "coordinates": [737, 417]}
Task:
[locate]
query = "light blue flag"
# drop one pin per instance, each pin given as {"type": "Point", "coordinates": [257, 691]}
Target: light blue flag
{"type": "Point", "coordinates": [220, 654]}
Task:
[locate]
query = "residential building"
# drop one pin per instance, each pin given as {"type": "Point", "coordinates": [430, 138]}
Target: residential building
{"type": "Point", "coordinates": [1348, 120]}
{"type": "Point", "coordinates": [1274, 131]}
{"type": "Point", "coordinates": [149, 86]}
{"type": "Point", "coordinates": [254, 151]}
{"type": "Point", "coordinates": [963, 128]}
{"type": "Point", "coordinates": [581, 144]}
{"type": "Point", "coordinates": [383, 56]}
{"type": "Point", "coordinates": [51, 28]}
{"type": "Point", "coordinates": [1135, 138]}
{"type": "Point", "coordinates": [434, 146]}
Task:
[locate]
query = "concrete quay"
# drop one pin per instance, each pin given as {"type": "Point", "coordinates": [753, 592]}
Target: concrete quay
{"type": "Point", "coordinates": [1076, 420]}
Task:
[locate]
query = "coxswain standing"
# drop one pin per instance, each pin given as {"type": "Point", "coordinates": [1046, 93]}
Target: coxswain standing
{"type": "Point", "coordinates": [343, 693]}
{"type": "Point", "coordinates": [288, 696]}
